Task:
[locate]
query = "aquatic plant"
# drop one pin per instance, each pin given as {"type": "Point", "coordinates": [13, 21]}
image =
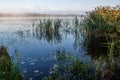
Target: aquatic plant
{"type": "Point", "coordinates": [102, 28]}
{"type": "Point", "coordinates": [76, 21]}
{"type": "Point", "coordinates": [48, 26]}
{"type": "Point", "coordinates": [103, 20]}
{"type": "Point", "coordinates": [48, 29]}
{"type": "Point", "coordinates": [57, 25]}
{"type": "Point", "coordinates": [106, 67]}
{"type": "Point", "coordinates": [8, 70]}
{"type": "Point", "coordinates": [61, 54]}
{"type": "Point", "coordinates": [69, 68]}
{"type": "Point", "coordinates": [99, 24]}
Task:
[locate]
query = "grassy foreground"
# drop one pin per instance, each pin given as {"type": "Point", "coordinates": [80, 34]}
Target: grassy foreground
{"type": "Point", "coordinates": [8, 70]}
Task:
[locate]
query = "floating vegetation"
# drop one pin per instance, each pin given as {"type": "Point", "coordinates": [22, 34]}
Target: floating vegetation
{"type": "Point", "coordinates": [71, 69]}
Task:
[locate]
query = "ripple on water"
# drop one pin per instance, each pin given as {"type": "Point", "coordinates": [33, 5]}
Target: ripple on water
{"type": "Point", "coordinates": [32, 60]}
{"type": "Point", "coordinates": [25, 71]}
{"type": "Point", "coordinates": [22, 62]}
{"type": "Point", "coordinates": [30, 78]}
{"type": "Point", "coordinates": [32, 64]}
{"type": "Point", "coordinates": [36, 71]}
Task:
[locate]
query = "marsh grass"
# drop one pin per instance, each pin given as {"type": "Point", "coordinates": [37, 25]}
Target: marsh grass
{"type": "Point", "coordinates": [53, 30]}
{"type": "Point", "coordinates": [103, 20]}
{"type": "Point", "coordinates": [99, 24]}
{"type": "Point", "coordinates": [109, 64]}
{"type": "Point", "coordinates": [49, 30]}
{"type": "Point", "coordinates": [8, 70]}
{"type": "Point", "coordinates": [69, 68]}
{"type": "Point", "coordinates": [102, 28]}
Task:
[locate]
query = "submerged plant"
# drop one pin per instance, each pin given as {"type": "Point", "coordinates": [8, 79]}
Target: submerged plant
{"type": "Point", "coordinates": [69, 68]}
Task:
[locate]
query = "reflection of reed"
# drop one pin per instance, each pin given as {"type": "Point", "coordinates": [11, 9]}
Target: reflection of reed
{"type": "Point", "coordinates": [47, 31]}
{"type": "Point", "coordinates": [54, 30]}
{"type": "Point", "coordinates": [51, 30]}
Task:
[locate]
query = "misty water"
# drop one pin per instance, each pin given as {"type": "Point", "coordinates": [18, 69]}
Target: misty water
{"type": "Point", "coordinates": [34, 50]}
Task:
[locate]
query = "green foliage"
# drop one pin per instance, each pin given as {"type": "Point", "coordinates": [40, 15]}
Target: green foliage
{"type": "Point", "coordinates": [107, 67]}
{"type": "Point", "coordinates": [80, 69]}
{"type": "Point", "coordinates": [71, 69]}
{"type": "Point", "coordinates": [103, 20]}
{"type": "Point", "coordinates": [48, 26]}
{"type": "Point", "coordinates": [76, 21]}
{"type": "Point", "coordinates": [57, 24]}
{"type": "Point", "coordinates": [61, 54]}
{"type": "Point", "coordinates": [101, 23]}
{"type": "Point", "coordinates": [8, 70]}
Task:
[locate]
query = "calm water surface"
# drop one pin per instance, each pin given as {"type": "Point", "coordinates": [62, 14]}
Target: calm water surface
{"type": "Point", "coordinates": [36, 49]}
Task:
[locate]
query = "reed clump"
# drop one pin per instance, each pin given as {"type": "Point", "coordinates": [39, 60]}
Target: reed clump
{"type": "Point", "coordinates": [101, 23]}
{"type": "Point", "coordinates": [8, 70]}
{"type": "Point", "coordinates": [103, 20]}
{"type": "Point", "coordinates": [102, 29]}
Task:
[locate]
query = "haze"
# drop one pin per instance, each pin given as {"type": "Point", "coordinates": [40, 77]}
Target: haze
{"type": "Point", "coordinates": [37, 6]}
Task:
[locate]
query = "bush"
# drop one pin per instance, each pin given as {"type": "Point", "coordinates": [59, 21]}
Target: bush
{"type": "Point", "coordinates": [103, 20]}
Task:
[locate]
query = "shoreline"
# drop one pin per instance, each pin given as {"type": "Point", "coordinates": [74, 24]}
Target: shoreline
{"type": "Point", "coordinates": [40, 15]}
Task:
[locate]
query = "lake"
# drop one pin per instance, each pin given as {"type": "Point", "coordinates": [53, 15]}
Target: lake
{"type": "Point", "coordinates": [33, 49]}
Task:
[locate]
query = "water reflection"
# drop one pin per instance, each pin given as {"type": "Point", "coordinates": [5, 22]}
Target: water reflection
{"type": "Point", "coordinates": [48, 31]}
{"type": "Point", "coordinates": [95, 48]}
{"type": "Point", "coordinates": [53, 31]}
{"type": "Point", "coordinates": [37, 40]}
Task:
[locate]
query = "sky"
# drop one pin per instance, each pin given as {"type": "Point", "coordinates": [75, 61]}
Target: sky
{"type": "Point", "coordinates": [53, 5]}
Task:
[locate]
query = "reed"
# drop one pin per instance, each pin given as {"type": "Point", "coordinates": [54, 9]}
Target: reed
{"type": "Point", "coordinates": [8, 70]}
{"type": "Point", "coordinates": [103, 20]}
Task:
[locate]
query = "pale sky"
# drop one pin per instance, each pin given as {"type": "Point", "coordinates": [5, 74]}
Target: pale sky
{"type": "Point", "coordinates": [53, 5]}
